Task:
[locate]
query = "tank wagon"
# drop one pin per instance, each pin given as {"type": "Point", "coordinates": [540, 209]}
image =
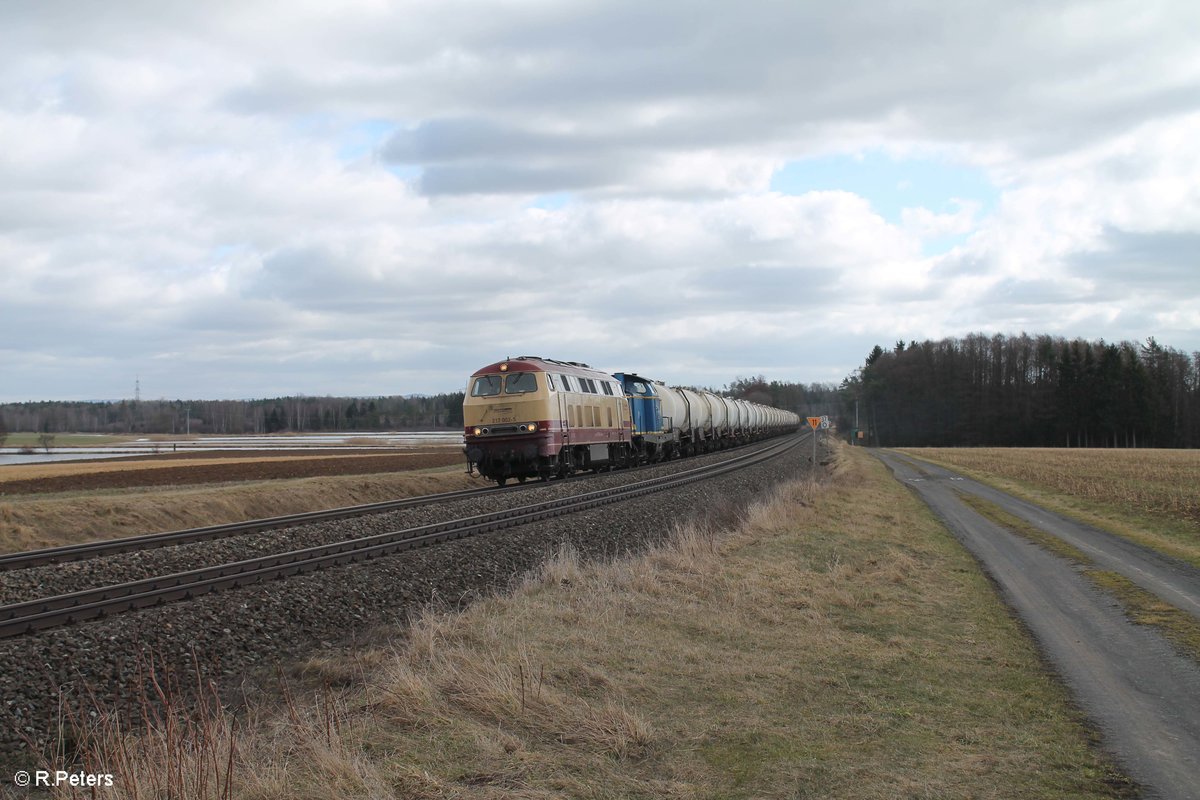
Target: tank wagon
{"type": "Point", "coordinates": [532, 417]}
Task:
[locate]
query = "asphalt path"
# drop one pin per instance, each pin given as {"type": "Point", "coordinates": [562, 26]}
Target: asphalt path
{"type": "Point", "coordinates": [1142, 695]}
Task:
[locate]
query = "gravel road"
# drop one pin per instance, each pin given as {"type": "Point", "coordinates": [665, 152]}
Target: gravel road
{"type": "Point", "coordinates": [1143, 696]}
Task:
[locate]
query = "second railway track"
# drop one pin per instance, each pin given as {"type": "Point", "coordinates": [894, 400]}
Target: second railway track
{"type": "Point", "coordinates": [132, 544]}
{"type": "Point", "coordinates": [25, 617]}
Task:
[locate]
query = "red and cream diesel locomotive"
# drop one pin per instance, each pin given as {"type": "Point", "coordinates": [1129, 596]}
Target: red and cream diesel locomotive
{"type": "Point", "coordinates": [531, 417]}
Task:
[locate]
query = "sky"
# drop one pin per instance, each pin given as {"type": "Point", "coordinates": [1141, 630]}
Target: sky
{"type": "Point", "coordinates": [255, 199]}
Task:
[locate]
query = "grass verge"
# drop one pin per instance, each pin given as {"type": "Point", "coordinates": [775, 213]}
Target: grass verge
{"type": "Point", "coordinates": [31, 521]}
{"type": "Point", "coordinates": [838, 643]}
{"type": "Point", "coordinates": [1141, 606]}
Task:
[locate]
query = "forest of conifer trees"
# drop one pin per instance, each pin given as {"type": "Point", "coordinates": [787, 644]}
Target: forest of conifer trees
{"type": "Point", "coordinates": [1026, 391]}
{"type": "Point", "coordinates": [295, 414]}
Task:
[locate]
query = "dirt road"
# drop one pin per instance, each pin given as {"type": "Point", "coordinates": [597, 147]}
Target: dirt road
{"type": "Point", "coordinates": [1143, 696]}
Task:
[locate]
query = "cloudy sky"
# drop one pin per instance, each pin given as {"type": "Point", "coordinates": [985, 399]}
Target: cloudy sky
{"type": "Point", "coordinates": [248, 199]}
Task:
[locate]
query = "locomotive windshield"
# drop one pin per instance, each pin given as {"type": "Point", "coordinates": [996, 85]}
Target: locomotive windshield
{"type": "Point", "coordinates": [486, 386]}
{"type": "Point", "coordinates": [520, 383]}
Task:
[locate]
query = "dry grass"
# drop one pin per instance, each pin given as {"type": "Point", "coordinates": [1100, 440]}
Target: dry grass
{"type": "Point", "coordinates": [25, 472]}
{"type": "Point", "coordinates": [1151, 496]}
{"type": "Point", "coordinates": [31, 521]}
{"type": "Point", "coordinates": [70, 439]}
{"type": "Point", "coordinates": [838, 644]}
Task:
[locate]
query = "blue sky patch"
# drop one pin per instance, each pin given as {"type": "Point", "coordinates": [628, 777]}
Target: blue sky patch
{"type": "Point", "coordinates": [552, 202]}
{"type": "Point", "coordinates": [890, 185]}
{"type": "Point", "coordinates": [365, 138]}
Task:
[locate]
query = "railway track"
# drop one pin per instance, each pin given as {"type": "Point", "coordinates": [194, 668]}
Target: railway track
{"type": "Point", "coordinates": [131, 544]}
{"type": "Point", "coordinates": [41, 614]}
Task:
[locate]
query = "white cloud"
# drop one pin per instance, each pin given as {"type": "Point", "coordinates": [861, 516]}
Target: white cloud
{"type": "Point", "coordinates": [176, 189]}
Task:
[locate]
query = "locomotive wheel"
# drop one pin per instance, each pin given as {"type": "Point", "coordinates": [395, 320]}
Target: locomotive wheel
{"type": "Point", "coordinates": [501, 481]}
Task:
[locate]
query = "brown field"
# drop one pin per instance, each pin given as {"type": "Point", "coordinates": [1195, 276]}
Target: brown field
{"type": "Point", "coordinates": [183, 469]}
{"type": "Point", "coordinates": [1150, 495]}
{"type": "Point", "coordinates": [44, 505]}
{"type": "Point", "coordinates": [839, 643]}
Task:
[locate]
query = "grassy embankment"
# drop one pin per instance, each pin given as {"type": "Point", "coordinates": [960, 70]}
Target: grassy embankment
{"type": "Point", "coordinates": [33, 521]}
{"type": "Point", "coordinates": [839, 643]}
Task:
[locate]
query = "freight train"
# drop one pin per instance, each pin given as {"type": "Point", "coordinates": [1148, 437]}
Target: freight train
{"type": "Point", "coordinates": [532, 417]}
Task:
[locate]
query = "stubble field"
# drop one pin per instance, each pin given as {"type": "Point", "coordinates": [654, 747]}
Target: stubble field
{"type": "Point", "coordinates": [1150, 496]}
{"type": "Point", "coordinates": [43, 505]}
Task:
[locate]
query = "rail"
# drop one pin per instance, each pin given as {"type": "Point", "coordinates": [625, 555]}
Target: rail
{"type": "Point", "coordinates": [27, 617]}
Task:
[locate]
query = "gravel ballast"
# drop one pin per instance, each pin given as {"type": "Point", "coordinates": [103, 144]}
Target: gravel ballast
{"type": "Point", "coordinates": [234, 633]}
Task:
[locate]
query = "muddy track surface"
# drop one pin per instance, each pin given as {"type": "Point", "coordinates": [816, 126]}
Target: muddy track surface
{"type": "Point", "coordinates": [1143, 696]}
{"type": "Point", "coordinates": [179, 472]}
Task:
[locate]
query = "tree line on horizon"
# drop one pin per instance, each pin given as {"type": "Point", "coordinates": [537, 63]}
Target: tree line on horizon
{"type": "Point", "coordinates": [1026, 391]}
{"type": "Point", "coordinates": [322, 414]}
{"type": "Point", "coordinates": [275, 415]}
{"type": "Point", "coordinates": [1031, 391]}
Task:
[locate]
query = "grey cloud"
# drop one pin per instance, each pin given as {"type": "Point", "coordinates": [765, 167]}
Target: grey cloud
{"type": "Point", "coordinates": [464, 138]}
{"type": "Point", "coordinates": [500, 178]}
{"type": "Point", "coordinates": [529, 99]}
{"type": "Point", "coordinates": [1012, 294]}
{"type": "Point", "coordinates": [1161, 259]}
{"type": "Point", "coordinates": [756, 289]}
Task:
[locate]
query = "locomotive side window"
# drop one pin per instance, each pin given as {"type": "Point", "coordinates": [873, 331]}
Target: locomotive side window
{"type": "Point", "coordinates": [520, 383]}
{"type": "Point", "coordinates": [486, 386]}
{"type": "Point", "coordinates": [607, 389]}
{"type": "Point", "coordinates": [565, 383]}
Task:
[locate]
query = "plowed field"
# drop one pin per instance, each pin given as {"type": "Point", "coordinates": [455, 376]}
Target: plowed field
{"type": "Point", "coordinates": [181, 469]}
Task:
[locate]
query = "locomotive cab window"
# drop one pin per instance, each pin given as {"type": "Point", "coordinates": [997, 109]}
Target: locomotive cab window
{"type": "Point", "coordinates": [486, 386]}
{"type": "Point", "coordinates": [520, 383]}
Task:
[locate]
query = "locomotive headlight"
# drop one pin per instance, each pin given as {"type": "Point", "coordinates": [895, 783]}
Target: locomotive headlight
{"type": "Point", "coordinates": [477, 431]}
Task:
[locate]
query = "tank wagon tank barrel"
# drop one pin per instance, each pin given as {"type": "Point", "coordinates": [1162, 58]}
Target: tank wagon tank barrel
{"type": "Point", "coordinates": [532, 417]}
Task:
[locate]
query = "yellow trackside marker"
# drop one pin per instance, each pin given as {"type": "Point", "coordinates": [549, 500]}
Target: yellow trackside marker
{"type": "Point", "coordinates": [814, 423]}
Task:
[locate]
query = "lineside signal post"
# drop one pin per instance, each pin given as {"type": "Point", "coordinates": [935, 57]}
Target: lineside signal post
{"type": "Point", "coordinates": [815, 424]}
